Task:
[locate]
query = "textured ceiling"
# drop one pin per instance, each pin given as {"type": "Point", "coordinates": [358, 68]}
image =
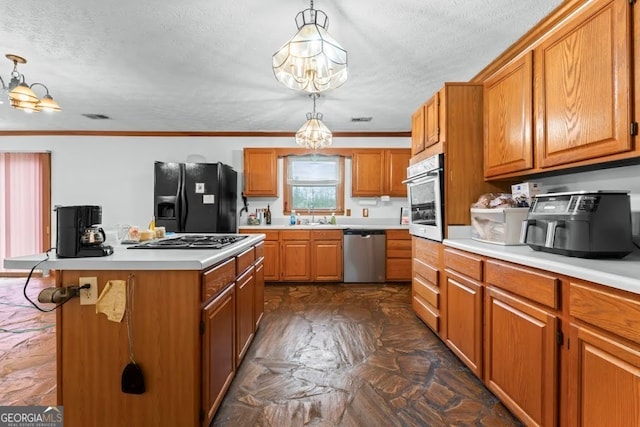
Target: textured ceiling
{"type": "Point", "coordinates": [203, 65]}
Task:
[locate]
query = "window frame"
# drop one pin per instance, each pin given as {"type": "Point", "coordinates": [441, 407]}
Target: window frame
{"type": "Point", "coordinates": [287, 193]}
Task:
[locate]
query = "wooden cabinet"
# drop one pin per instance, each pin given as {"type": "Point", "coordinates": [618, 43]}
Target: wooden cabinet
{"type": "Point", "coordinates": [398, 257]}
{"type": "Point", "coordinates": [258, 311]}
{"type": "Point", "coordinates": [508, 119]}
{"type": "Point", "coordinates": [367, 177]}
{"type": "Point", "coordinates": [260, 172]}
{"type": "Point", "coordinates": [463, 276]}
{"type": "Point", "coordinates": [295, 255]}
{"type": "Point", "coordinates": [379, 172]}
{"type": "Point", "coordinates": [432, 121]}
{"type": "Point", "coordinates": [271, 250]}
{"type": "Point", "coordinates": [521, 328]}
{"type": "Point", "coordinates": [605, 356]}
{"type": "Point", "coordinates": [327, 255]}
{"type": "Point", "coordinates": [395, 172]}
{"type": "Point", "coordinates": [245, 308]}
{"type": "Point", "coordinates": [417, 131]}
{"type": "Point", "coordinates": [427, 298]}
{"type": "Point", "coordinates": [582, 91]}
{"type": "Point", "coordinates": [218, 350]}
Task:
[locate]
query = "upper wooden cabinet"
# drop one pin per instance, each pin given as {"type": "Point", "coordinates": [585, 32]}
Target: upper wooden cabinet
{"type": "Point", "coordinates": [508, 117]}
{"type": "Point", "coordinates": [260, 172]}
{"type": "Point", "coordinates": [432, 121]}
{"type": "Point", "coordinates": [582, 90]}
{"type": "Point", "coordinates": [379, 172]}
{"type": "Point", "coordinates": [417, 131]}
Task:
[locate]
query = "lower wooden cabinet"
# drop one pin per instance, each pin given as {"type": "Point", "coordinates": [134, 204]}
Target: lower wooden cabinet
{"type": "Point", "coordinates": [245, 307]}
{"type": "Point", "coordinates": [295, 255]}
{"type": "Point", "coordinates": [271, 251]}
{"type": "Point", "coordinates": [398, 259]}
{"type": "Point", "coordinates": [604, 368]}
{"type": "Point", "coordinates": [327, 256]}
{"type": "Point", "coordinates": [521, 356]}
{"type": "Point", "coordinates": [258, 309]}
{"type": "Point", "coordinates": [427, 298]}
{"type": "Point", "coordinates": [463, 272]}
{"type": "Point", "coordinates": [218, 350]}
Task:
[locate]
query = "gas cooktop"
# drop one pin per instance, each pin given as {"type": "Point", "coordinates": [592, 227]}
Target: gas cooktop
{"type": "Point", "coordinates": [191, 242]}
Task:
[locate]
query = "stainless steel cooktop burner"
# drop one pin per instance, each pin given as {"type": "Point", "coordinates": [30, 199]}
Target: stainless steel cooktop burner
{"type": "Point", "coordinates": [191, 242]}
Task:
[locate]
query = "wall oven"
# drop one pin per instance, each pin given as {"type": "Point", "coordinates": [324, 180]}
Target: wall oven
{"type": "Point", "coordinates": [425, 190]}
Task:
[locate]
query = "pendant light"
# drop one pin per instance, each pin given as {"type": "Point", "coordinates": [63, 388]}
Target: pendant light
{"type": "Point", "coordinates": [314, 134]}
{"type": "Point", "coordinates": [312, 61]}
{"type": "Point", "coordinates": [22, 96]}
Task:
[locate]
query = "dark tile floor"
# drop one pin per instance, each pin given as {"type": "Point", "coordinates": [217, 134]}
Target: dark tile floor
{"type": "Point", "coordinates": [352, 355]}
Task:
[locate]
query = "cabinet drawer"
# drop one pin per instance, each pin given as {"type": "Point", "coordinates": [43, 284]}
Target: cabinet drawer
{"type": "Point", "coordinates": [245, 259]}
{"type": "Point", "coordinates": [534, 285]}
{"type": "Point", "coordinates": [426, 291]}
{"type": "Point", "coordinates": [327, 234]}
{"type": "Point", "coordinates": [269, 234]}
{"type": "Point", "coordinates": [398, 248]}
{"type": "Point", "coordinates": [464, 263]}
{"type": "Point", "coordinates": [295, 235]}
{"type": "Point", "coordinates": [398, 269]}
{"type": "Point", "coordinates": [259, 250]}
{"type": "Point", "coordinates": [615, 313]}
{"type": "Point", "coordinates": [398, 235]}
{"type": "Point", "coordinates": [426, 272]}
{"type": "Point", "coordinates": [215, 279]}
{"type": "Point", "coordinates": [427, 251]}
{"type": "Point", "coordinates": [426, 313]}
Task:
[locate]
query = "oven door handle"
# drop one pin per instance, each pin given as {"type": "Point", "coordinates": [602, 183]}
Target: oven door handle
{"type": "Point", "coordinates": [417, 178]}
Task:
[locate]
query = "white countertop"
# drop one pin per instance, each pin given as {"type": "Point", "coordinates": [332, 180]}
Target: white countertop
{"type": "Point", "coordinates": [138, 259]}
{"type": "Point", "coordinates": [616, 273]}
{"type": "Point", "coordinates": [328, 227]}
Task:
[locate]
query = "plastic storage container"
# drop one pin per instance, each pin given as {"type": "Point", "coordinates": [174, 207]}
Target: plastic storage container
{"type": "Point", "coordinates": [501, 226]}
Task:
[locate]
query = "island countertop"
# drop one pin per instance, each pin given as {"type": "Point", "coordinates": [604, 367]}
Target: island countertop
{"type": "Point", "coordinates": [137, 259]}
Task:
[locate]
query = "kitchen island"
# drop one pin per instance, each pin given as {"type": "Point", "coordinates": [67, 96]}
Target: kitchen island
{"type": "Point", "coordinates": [194, 315]}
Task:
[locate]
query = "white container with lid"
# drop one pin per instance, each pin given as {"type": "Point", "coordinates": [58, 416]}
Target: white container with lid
{"type": "Point", "coordinates": [500, 226]}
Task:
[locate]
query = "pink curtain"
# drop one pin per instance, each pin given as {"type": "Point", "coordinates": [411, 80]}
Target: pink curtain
{"type": "Point", "coordinates": [21, 182]}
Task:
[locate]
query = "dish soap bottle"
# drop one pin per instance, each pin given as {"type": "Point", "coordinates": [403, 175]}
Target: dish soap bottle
{"type": "Point", "coordinates": [332, 220]}
{"type": "Point", "coordinates": [267, 216]}
{"type": "Point", "coordinates": [152, 223]}
{"type": "Point", "coordinates": [292, 218]}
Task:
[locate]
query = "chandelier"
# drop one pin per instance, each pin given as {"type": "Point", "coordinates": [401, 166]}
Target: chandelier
{"type": "Point", "coordinates": [312, 61]}
{"type": "Point", "coordinates": [314, 134]}
{"type": "Point", "coordinates": [21, 95]}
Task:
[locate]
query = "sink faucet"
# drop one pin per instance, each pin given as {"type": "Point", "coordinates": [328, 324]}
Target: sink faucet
{"type": "Point", "coordinates": [311, 212]}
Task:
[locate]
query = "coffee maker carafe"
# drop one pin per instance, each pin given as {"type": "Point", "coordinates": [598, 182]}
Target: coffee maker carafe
{"type": "Point", "coordinates": [78, 234]}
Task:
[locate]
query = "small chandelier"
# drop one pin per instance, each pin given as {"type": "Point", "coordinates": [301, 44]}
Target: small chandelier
{"type": "Point", "coordinates": [22, 96]}
{"type": "Point", "coordinates": [314, 134]}
{"type": "Point", "coordinates": [312, 61]}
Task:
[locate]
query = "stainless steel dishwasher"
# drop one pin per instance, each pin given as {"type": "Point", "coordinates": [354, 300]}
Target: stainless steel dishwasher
{"type": "Point", "coordinates": [364, 256]}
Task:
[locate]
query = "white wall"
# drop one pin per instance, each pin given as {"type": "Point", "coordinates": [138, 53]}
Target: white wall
{"type": "Point", "coordinates": [117, 172]}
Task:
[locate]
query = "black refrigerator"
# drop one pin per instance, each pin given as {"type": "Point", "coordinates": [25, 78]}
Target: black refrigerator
{"type": "Point", "coordinates": [195, 197]}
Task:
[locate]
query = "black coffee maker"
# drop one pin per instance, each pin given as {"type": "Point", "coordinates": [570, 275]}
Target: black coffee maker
{"type": "Point", "coordinates": [78, 234]}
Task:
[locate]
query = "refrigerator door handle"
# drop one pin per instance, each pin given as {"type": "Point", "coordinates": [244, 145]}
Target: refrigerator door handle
{"type": "Point", "coordinates": [182, 197]}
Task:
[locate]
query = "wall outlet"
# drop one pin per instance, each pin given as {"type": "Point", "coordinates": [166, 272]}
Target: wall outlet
{"type": "Point", "coordinates": [88, 296]}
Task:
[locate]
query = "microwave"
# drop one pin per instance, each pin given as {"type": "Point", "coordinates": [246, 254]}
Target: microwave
{"type": "Point", "coordinates": [425, 190]}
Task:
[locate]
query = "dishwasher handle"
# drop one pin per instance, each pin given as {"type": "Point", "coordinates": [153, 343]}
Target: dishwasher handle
{"type": "Point", "coordinates": [364, 233]}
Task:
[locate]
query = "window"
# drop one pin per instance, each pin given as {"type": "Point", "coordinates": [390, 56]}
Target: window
{"type": "Point", "coordinates": [314, 183]}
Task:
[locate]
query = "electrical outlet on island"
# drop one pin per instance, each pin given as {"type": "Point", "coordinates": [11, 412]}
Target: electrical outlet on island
{"type": "Point", "coordinates": [88, 296]}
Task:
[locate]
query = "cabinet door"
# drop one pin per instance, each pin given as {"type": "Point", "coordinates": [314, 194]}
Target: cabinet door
{"type": "Point", "coordinates": [258, 307]}
{"type": "Point", "coordinates": [417, 131]}
{"type": "Point", "coordinates": [245, 324]}
{"type": "Point", "coordinates": [464, 320]}
{"type": "Point", "coordinates": [271, 261]}
{"type": "Point", "coordinates": [296, 260]}
{"type": "Point", "coordinates": [508, 116]}
{"type": "Point", "coordinates": [218, 350]}
{"type": "Point", "coordinates": [583, 74]}
{"type": "Point", "coordinates": [260, 172]}
{"type": "Point", "coordinates": [367, 177]}
{"type": "Point", "coordinates": [606, 391]}
{"type": "Point", "coordinates": [521, 354]}
{"type": "Point", "coordinates": [431, 121]}
{"type": "Point", "coordinates": [327, 259]}
{"type": "Point", "coordinates": [396, 164]}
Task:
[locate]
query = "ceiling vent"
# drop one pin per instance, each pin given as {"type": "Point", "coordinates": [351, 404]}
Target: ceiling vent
{"type": "Point", "coordinates": [361, 119]}
{"type": "Point", "coordinates": [97, 116]}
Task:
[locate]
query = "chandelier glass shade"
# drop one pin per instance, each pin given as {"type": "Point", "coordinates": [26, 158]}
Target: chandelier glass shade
{"type": "Point", "coordinates": [312, 61]}
{"type": "Point", "coordinates": [314, 134]}
{"type": "Point", "coordinates": [22, 96]}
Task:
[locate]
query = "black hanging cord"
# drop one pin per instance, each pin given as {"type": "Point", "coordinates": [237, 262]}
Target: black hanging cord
{"type": "Point", "coordinates": [24, 290]}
